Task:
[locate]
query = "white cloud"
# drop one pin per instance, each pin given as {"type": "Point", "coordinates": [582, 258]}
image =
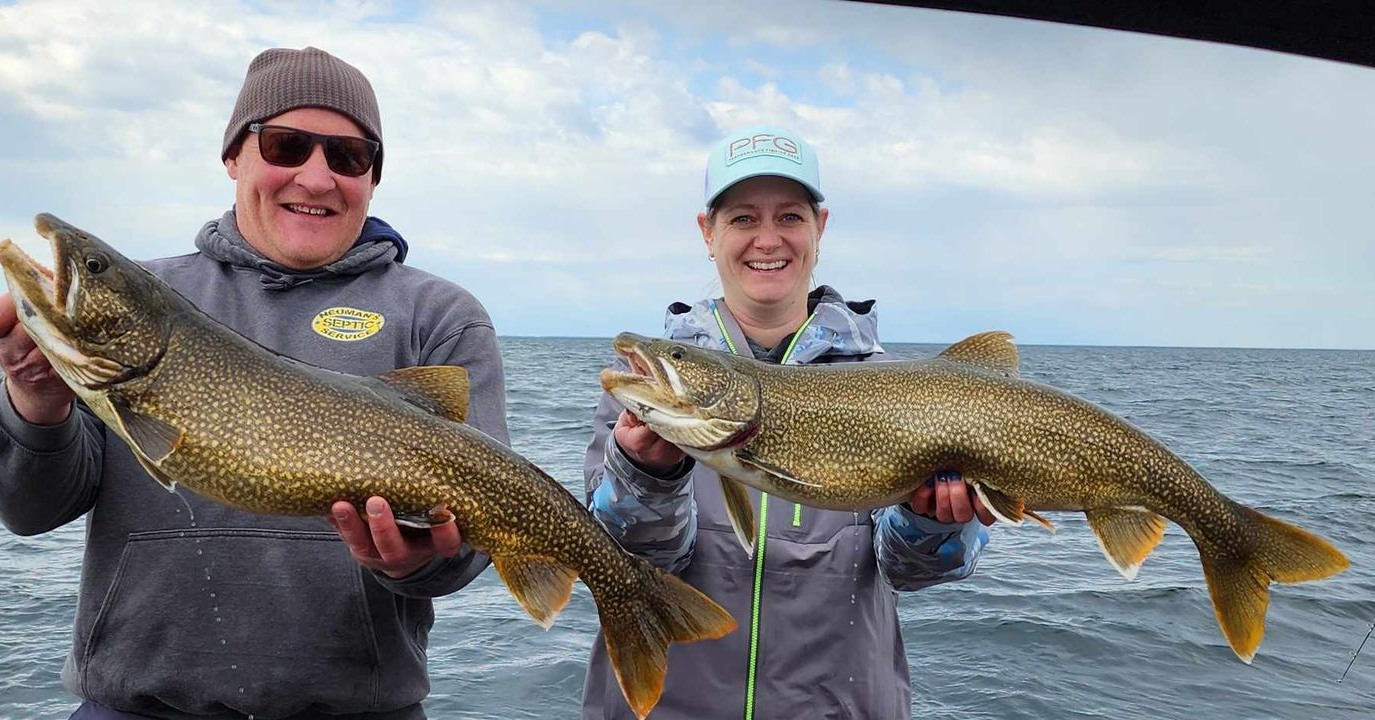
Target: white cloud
{"type": "Point", "coordinates": [980, 170]}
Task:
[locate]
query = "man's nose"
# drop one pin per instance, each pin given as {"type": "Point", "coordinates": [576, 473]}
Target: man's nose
{"type": "Point", "coordinates": [314, 175]}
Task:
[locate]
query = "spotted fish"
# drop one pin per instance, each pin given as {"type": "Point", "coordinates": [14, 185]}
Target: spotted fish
{"type": "Point", "coordinates": [863, 435]}
{"type": "Point", "coordinates": [203, 407]}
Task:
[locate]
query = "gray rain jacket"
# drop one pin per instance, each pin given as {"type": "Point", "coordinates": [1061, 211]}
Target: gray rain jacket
{"type": "Point", "coordinates": [188, 608]}
{"type": "Point", "coordinates": [818, 634]}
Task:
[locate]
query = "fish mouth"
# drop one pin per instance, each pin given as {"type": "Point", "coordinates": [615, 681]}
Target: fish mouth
{"type": "Point", "coordinates": [647, 374]}
{"type": "Point", "coordinates": [38, 289]}
{"type": "Point", "coordinates": [654, 393]}
{"type": "Point", "coordinates": [652, 387]}
{"type": "Point", "coordinates": [45, 301]}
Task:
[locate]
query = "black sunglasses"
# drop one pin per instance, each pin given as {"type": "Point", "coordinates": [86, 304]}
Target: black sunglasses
{"type": "Point", "coordinates": [288, 147]}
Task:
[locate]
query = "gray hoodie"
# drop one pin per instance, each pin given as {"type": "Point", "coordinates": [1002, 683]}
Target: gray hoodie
{"type": "Point", "coordinates": [818, 634]}
{"type": "Point", "coordinates": [188, 608]}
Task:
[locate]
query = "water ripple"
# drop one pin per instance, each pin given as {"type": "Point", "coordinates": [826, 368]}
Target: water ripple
{"type": "Point", "coordinates": [1044, 629]}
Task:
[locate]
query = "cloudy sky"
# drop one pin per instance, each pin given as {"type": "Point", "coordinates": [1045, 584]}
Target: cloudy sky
{"type": "Point", "coordinates": [1070, 185]}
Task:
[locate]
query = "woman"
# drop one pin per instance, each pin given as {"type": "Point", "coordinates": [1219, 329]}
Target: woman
{"type": "Point", "coordinates": [818, 630]}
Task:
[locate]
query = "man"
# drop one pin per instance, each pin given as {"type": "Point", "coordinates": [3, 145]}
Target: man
{"type": "Point", "coordinates": [190, 609]}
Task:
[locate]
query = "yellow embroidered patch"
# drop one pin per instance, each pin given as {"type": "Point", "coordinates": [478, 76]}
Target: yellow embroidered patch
{"type": "Point", "coordinates": [347, 324]}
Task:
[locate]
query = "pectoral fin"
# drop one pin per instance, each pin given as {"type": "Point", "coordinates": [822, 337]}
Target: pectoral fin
{"type": "Point", "coordinates": [540, 584]}
{"type": "Point", "coordinates": [1007, 508]}
{"type": "Point", "coordinates": [439, 389]}
{"type": "Point", "coordinates": [779, 474]}
{"type": "Point", "coordinates": [149, 436]}
{"type": "Point", "coordinates": [156, 472]}
{"type": "Point", "coordinates": [740, 511]}
{"type": "Point", "coordinates": [1126, 536]}
{"type": "Point", "coordinates": [437, 515]}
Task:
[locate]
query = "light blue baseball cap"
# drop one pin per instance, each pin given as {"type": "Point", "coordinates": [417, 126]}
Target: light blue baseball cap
{"type": "Point", "coordinates": [761, 150]}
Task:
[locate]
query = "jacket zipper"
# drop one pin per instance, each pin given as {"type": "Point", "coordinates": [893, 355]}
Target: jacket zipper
{"type": "Point", "coordinates": [759, 542]}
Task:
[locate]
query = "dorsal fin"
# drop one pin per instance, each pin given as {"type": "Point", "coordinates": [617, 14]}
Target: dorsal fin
{"type": "Point", "coordinates": [991, 350]}
{"type": "Point", "coordinates": [440, 389]}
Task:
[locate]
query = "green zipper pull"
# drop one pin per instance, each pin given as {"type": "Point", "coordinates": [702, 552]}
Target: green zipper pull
{"type": "Point", "coordinates": [759, 545]}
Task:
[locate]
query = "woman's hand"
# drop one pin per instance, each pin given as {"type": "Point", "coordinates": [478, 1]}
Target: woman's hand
{"type": "Point", "coordinates": [652, 453]}
{"type": "Point", "coordinates": [946, 497]}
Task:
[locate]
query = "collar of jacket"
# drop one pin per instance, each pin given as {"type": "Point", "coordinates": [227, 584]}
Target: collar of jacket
{"type": "Point", "coordinates": [378, 245]}
{"type": "Point", "coordinates": [836, 328]}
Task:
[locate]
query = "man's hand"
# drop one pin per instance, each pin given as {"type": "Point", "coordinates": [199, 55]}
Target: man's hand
{"type": "Point", "coordinates": [651, 452]}
{"type": "Point", "coordinates": [377, 542]}
{"type": "Point", "coordinates": [946, 497]}
{"type": "Point", "coordinates": [36, 391]}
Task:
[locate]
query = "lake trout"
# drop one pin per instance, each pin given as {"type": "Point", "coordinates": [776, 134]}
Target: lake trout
{"type": "Point", "coordinates": [204, 407]}
{"type": "Point", "coordinates": [863, 435]}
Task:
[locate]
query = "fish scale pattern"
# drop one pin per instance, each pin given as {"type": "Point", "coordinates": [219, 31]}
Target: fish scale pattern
{"type": "Point", "coordinates": [861, 436]}
{"type": "Point", "coordinates": [202, 406]}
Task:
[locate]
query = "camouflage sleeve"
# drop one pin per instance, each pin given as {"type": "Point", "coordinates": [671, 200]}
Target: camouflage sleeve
{"type": "Point", "coordinates": [651, 516]}
{"type": "Point", "coordinates": [915, 551]}
{"type": "Point", "coordinates": [49, 475]}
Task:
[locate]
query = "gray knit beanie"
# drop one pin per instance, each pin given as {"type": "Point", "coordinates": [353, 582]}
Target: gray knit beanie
{"type": "Point", "coordinates": [282, 79]}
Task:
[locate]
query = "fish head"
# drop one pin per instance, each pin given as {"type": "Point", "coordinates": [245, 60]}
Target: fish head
{"type": "Point", "coordinates": [99, 317]}
{"type": "Point", "coordinates": [692, 397]}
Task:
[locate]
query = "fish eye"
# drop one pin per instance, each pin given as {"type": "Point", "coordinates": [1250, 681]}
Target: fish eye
{"type": "Point", "coordinates": [676, 353]}
{"type": "Point", "coordinates": [96, 264]}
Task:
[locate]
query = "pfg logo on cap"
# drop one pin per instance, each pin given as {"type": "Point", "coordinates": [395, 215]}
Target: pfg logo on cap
{"type": "Point", "coordinates": [763, 144]}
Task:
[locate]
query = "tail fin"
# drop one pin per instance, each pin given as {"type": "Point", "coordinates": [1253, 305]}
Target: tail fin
{"type": "Point", "coordinates": [1240, 583]}
{"type": "Point", "coordinates": [638, 626]}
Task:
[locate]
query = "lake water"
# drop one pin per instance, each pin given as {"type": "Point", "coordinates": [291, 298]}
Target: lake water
{"type": "Point", "coordinates": [1044, 629]}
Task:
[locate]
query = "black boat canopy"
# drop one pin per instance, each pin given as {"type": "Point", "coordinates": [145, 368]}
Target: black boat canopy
{"type": "Point", "coordinates": [1342, 30]}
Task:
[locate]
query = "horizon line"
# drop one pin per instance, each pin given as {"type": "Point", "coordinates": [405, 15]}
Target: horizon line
{"type": "Point", "coordinates": [1019, 344]}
